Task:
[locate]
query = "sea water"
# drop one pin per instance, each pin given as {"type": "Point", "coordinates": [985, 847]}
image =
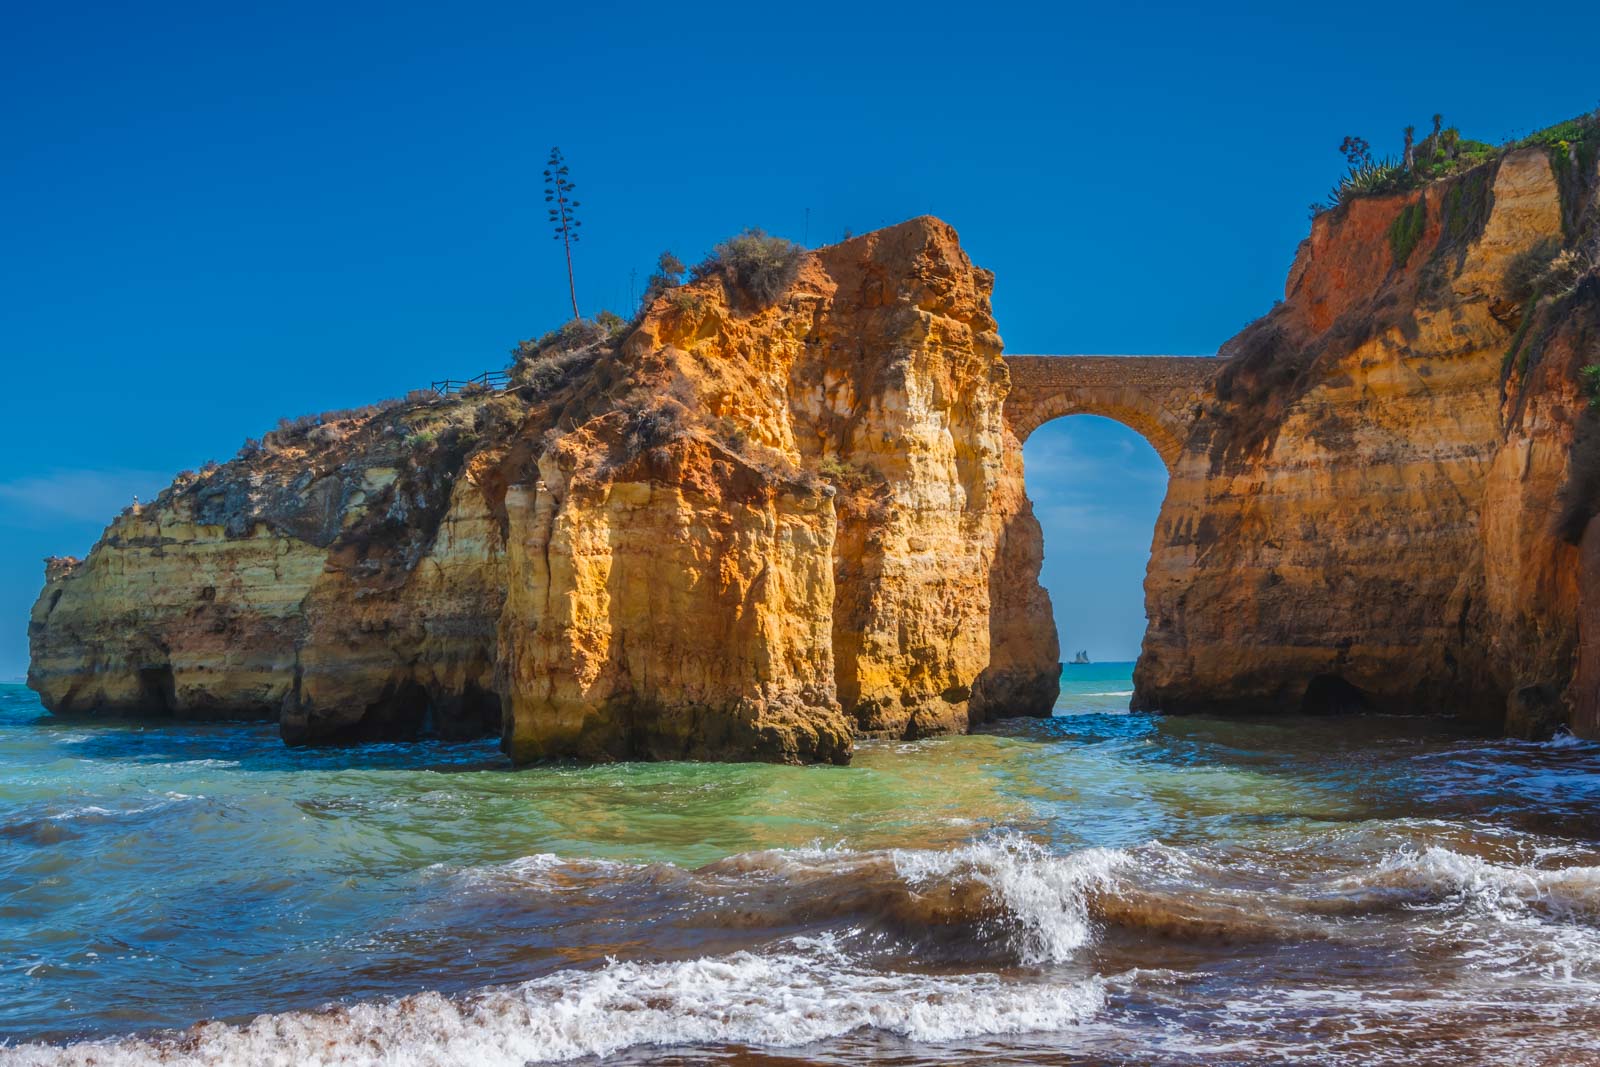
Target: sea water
{"type": "Point", "coordinates": [1097, 887]}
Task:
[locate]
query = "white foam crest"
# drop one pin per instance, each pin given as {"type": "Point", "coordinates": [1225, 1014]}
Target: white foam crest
{"type": "Point", "coordinates": [541, 870]}
{"type": "Point", "coordinates": [1045, 894]}
{"type": "Point", "coordinates": [1437, 873]}
{"type": "Point", "coordinates": [744, 998]}
{"type": "Point", "coordinates": [100, 811]}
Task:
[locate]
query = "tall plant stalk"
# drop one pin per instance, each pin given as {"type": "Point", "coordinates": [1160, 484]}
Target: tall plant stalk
{"type": "Point", "coordinates": [558, 194]}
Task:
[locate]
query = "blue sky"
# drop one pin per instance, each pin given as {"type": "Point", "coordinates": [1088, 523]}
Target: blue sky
{"type": "Point", "coordinates": [215, 216]}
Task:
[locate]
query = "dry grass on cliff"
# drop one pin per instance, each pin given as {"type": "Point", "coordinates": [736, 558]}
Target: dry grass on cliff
{"type": "Point", "coordinates": [542, 367]}
{"type": "Point", "coordinates": [756, 264]}
{"type": "Point", "coordinates": [329, 427]}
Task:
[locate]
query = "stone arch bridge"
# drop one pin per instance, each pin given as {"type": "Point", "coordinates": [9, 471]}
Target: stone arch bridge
{"type": "Point", "coordinates": [1157, 396]}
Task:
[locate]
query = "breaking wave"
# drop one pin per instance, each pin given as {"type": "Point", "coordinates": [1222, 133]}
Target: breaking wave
{"type": "Point", "coordinates": [1439, 876]}
{"type": "Point", "coordinates": [783, 1000]}
{"type": "Point", "coordinates": [997, 937]}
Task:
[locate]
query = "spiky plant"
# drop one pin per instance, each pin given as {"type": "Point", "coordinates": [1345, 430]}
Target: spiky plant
{"type": "Point", "coordinates": [1370, 179]}
{"type": "Point", "coordinates": [1591, 383]}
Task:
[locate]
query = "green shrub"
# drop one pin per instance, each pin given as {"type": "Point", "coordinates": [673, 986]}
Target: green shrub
{"type": "Point", "coordinates": [1371, 179]}
{"type": "Point", "coordinates": [685, 302]}
{"type": "Point", "coordinates": [760, 265]}
{"type": "Point", "coordinates": [1590, 375]}
{"type": "Point", "coordinates": [1406, 231]}
{"type": "Point", "coordinates": [667, 276]}
{"type": "Point", "coordinates": [1562, 134]}
{"type": "Point", "coordinates": [613, 324]}
{"type": "Point", "coordinates": [1466, 205]}
{"type": "Point", "coordinates": [1446, 152]}
{"type": "Point", "coordinates": [843, 473]}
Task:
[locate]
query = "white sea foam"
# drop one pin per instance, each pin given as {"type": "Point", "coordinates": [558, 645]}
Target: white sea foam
{"type": "Point", "coordinates": [90, 810]}
{"type": "Point", "coordinates": [784, 1000]}
{"type": "Point", "coordinates": [98, 811]}
{"type": "Point", "coordinates": [1442, 875]}
{"type": "Point", "coordinates": [1045, 893]}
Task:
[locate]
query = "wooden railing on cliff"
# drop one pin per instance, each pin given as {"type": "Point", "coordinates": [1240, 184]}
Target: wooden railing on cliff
{"type": "Point", "coordinates": [489, 379]}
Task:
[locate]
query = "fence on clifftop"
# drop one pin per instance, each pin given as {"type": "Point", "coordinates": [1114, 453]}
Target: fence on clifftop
{"type": "Point", "coordinates": [489, 379]}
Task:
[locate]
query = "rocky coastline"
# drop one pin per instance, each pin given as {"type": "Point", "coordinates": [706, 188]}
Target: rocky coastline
{"type": "Point", "coordinates": [748, 529]}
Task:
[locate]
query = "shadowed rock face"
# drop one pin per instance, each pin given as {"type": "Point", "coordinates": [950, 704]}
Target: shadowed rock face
{"type": "Point", "coordinates": [741, 533]}
{"type": "Point", "coordinates": [1367, 514]}
{"type": "Point", "coordinates": [750, 532]}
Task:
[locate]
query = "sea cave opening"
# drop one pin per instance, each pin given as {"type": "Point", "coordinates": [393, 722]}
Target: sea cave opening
{"type": "Point", "coordinates": [1097, 487]}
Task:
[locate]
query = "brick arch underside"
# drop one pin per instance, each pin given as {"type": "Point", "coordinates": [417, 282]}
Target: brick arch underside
{"type": "Point", "coordinates": [1164, 430]}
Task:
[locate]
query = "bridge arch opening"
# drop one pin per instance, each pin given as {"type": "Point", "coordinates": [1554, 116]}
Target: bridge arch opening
{"type": "Point", "coordinates": [1097, 485]}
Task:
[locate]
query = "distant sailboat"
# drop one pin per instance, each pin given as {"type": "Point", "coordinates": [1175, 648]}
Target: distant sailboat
{"type": "Point", "coordinates": [1081, 657]}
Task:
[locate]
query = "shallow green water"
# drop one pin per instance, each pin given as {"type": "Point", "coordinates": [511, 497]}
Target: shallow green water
{"type": "Point", "coordinates": [1087, 888]}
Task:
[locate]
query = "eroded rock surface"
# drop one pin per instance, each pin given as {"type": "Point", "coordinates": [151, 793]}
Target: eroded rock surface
{"type": "Point", "coordinates": [748, 531]}
{"type": "Point", "coordinates": [1370, 513]}
{"type": "Point", "coordinates": [741, 532]}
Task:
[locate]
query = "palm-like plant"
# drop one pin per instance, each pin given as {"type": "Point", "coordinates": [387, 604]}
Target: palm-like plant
{"type": "Point", "coordinates": [558, 194]}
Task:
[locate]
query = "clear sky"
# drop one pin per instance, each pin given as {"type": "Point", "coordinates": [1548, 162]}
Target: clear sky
{"type": "Point", "coordinates": [219, 214]}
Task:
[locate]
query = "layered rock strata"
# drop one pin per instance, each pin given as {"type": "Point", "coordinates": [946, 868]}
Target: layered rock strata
{"type": "Point", "coordinates": [760, 531]}
{"type": "Point", "coordinates": [737, 532]}
{"type": "Point", "coordinates": [1376, 509]}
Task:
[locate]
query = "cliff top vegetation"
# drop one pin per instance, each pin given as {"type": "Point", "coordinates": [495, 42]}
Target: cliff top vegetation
{"type": "Point", "coordinates": [1444, 152]}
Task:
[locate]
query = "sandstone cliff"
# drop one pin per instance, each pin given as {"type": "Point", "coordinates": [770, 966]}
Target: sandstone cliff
{"type": "Point", "coordinates": [759, 530]}
{"type": "Point", "coordinates": [1380, 507]}
{"type": "Point", "coordinates": [737, 532]}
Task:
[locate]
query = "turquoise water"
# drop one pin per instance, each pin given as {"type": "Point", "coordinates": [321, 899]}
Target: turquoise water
{"type": "Point", "coordinates": [1092, 888]}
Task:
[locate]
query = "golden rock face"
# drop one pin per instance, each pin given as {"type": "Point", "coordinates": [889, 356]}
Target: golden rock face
{"type": "Point", "coordinates": [744, 533]}
{"type": "Point", "coordinates": [759, 532]}
{"type": "Point", "coordinates": [1367, 514]}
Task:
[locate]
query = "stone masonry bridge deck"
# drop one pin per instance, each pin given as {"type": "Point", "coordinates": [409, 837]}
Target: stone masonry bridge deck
{"type": "Point", "coordinates": [1155, 395]}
